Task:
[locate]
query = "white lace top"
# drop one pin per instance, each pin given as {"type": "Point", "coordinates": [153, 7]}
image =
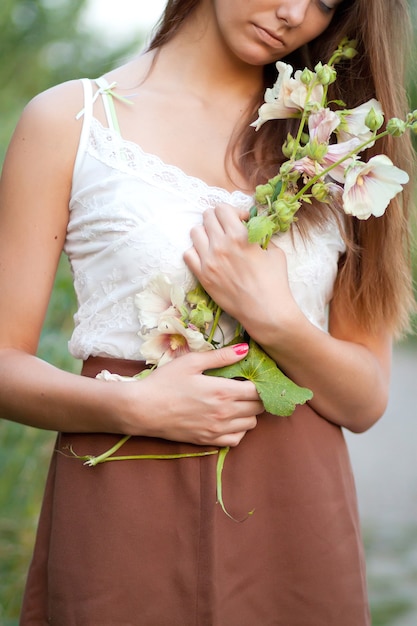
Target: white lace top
{"type": "Point", "coordinates": [130, 218]}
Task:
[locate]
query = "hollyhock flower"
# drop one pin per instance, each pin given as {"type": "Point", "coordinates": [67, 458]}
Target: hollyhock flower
{"type": "Point", "coordinates": [287, 97]}
{"type": "Point", "coordinates": [352, 122]}
{"type": "Point", "coordinates": [370, 186]}
{"type": "Point", "coordinates": [308, 167]}
{"type": "Point", "coordinates": [321, 125]}
{"type": "Point", "coordinates": [172, 339]}
{"type": "Point", "coordinates": [160, 296]}
{"type": "Point", "coordinates": [335, 153]}
{"type": "Point", "coordinates": [326, 156]}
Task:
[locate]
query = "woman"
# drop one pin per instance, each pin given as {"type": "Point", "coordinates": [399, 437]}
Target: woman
{"type": "Point", "coordinates": [148, 171]}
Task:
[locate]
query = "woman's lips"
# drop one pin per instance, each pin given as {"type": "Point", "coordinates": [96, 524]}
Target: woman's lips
{"type": "Point", "coordinates": [269, 37]}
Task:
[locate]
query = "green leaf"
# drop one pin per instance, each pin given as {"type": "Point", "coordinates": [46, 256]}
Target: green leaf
{"type": "Point", "coordinates": [279, 394]}
{"type": "Point", "coordinates": [260, 228]}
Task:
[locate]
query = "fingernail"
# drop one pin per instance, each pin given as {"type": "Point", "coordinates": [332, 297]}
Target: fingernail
{"type": "Point", "coordinates": [241, 348]}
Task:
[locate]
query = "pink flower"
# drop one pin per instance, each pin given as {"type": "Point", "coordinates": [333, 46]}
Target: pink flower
{"type": "Point", "coordinates": [336, 152]}
{"type": "Point", "coordinates": [310, 167]}
{"type": "Point", "coordinates": [370, 186]}
{"type": "Point", "coordinates": [172, 339]}
{"type": "Point", "coordinates": [322, 124]}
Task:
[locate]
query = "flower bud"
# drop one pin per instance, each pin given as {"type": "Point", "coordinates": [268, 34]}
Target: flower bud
{"type": "Point", "coordinates": [287, 174]}
{"type": "Point", "coordinates": [285, 169]}
{"type": "Point", "coordinates": [307, 76]}
{"type": "Point", "coordinates": [396, 127]}
{"type": "Point", "coordinates": [348, 48]}
{"type": "Point", "coordinates": [374, 119]}
{"type": "Point", "coordinates": [197, 295]}
{"type": "Point", "coordinates": [263, 192]}
{"type": "Point", "coordinates": [349, 53]}
{"type": "Point", "coordinates": [290, 145]}
{"type": "Point", "coordinates": [326, 75]}
{"type": "Point", "coordinates": [316, 151]}
{"type": "Point", "coordinates": [320, 192]}
{"type": "Point", "coordinates": [285, 210]}
{"type": "Point", "coordinates": [201, 316]}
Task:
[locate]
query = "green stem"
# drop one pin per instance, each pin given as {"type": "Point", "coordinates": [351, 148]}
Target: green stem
{"type": "Point", "coordinates": [215, 323]}
{"type": "Point", "coordinates": [219, 470]}
{"type": "Point", "coordinates": [339, 162]}
{"type": "Point", "coordinates": [95, 460]}
{"type": "Point", "coordinates": [223, 452]}
{"type": "Point", "coordinates": [302, 123]}
{"type": "Point", "coordinates": [238, 331]}
{"type": "Point", "coordinates": [135, 457]}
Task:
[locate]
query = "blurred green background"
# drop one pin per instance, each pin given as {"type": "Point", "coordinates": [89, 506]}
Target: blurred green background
{"type": "Point", "coordinates": [44, 42]}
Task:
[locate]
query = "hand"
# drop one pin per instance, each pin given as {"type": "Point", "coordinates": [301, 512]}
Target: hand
{"type": "Point", "coordinates": [246, 281]}
{"type": "Point", "coordinates": [181, 404]}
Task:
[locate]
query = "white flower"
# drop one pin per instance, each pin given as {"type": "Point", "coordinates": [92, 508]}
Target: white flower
{"type": "Point", "coordinates": [287, 97]}
{"type": "Point", "coordinates": [159, 297]}
{"type": "Point", "coordinates": [370, 186]}
{"type": "Point", "coordinates": [352, 122]}
{"type": "Point", "coordinates": [172, 339]}
{"type": "Point", "coordinates": [107, 376]}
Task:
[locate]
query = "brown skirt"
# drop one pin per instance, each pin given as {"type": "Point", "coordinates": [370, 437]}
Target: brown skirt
{"type": "Point", "coordinates": [144, 543]}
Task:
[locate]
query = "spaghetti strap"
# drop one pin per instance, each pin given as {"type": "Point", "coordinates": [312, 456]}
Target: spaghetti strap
{"type": "Point", "coordinates": [87, 113]}
{"type": "Point", "coordinates": [105, 89]}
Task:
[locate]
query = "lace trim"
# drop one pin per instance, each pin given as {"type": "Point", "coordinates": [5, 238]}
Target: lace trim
{"type": "Point", "coordinates": [126, 156]}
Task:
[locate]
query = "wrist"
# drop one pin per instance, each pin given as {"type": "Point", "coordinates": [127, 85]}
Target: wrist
{"type": "Point", "coordinates": [131, 408]}
{"type": "Point", "coordinates": [276, 326]}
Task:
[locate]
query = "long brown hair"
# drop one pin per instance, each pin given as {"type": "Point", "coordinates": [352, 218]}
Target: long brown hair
{"type": "Point", "coordinates": [374, 282]}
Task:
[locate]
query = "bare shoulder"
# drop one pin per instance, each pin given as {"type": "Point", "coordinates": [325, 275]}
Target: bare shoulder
{"type": "Point", "coordinates": [52, 113]}
{"type": "Point", "coordinates": [61, 100]}
{"type": "Point", "coordinates": [48, 131]}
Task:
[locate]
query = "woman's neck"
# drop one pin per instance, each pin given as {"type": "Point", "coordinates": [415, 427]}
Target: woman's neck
{"type": "Point", "coordinates": [198, 60]}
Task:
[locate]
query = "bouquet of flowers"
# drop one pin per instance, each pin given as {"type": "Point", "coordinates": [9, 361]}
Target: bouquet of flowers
{"type": "Point", "coordinates": [323, 164]}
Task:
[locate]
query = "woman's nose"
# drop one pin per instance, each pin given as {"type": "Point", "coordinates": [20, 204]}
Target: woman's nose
{"type": "Point", "coordinates": [292, 12]}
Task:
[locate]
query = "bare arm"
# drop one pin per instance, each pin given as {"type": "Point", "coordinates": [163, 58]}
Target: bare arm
{"type": "Point", "coordinates": [34, 195]}
{"type": "Point", "coordinates": [347, 370]}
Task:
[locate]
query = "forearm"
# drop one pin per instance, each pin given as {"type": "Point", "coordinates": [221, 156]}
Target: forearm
{"type": "Point", "coordinates": [175, 402]}
{"type": "Point", "coordinates": [349, 383]}
{"type": "Point", "coordinates": [38, 394]}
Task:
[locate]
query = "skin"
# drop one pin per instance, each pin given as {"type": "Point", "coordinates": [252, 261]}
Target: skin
{"type": "Point", "coordinates": [201, 80]}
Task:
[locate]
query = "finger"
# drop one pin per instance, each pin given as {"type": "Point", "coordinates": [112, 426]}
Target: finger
{"type": "Point", "coordinates": [243, 424]}
{"type": "Point", "coordinates": [211, 222]}
{"type": "Point", "coordinates": [193, 261]}
{"type": "Point", "coordinates": [228, 220]}
{"type": "Point", "coordinates": [223, 356]}
{"type": "Point", "coordinates": [233, 439]}
{"type": "Point", "coordinates": [228, 441]}
{"type": "Point", "coordinates": [198, 234]}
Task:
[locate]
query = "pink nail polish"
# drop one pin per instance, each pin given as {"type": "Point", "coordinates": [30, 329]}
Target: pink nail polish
{"type": "Point", "coordinates": [241, 348]}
